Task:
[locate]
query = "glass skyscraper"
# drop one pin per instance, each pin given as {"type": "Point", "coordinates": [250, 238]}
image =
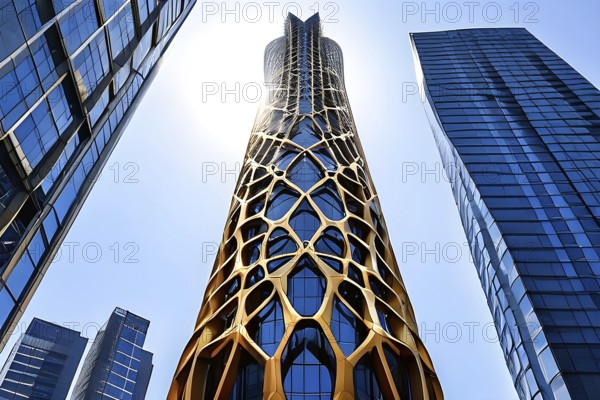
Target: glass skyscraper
{"type": "Point", "coordinates": [305, 300]}
{"type": "Point", "coordinates": [116, 367]}
{"type": "Point", "coordinates": [71, 75]}
{"type": "Point", "coordinates": [42, 363]}
{"type": "Point", "coordinates": [518, 130]}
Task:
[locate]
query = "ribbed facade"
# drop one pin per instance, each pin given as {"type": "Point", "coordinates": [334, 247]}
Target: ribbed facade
{"type": "Point", "coordinates": [71, 75]}
{"type": "Point", "coordinates": [518, 130]}
{"type": "Point", "coordinates": [305, 300]}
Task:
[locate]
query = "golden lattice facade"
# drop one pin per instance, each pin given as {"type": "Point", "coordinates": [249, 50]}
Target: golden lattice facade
{"type": "Point", "coordinates": [305, 300]}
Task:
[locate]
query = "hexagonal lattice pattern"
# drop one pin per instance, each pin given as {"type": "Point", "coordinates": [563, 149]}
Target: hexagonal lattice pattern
{"type": "Point", "coordinates": [305, 298]}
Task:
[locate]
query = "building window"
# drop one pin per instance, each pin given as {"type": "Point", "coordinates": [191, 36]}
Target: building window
{"type": "Point", "coordinates": [282, 199]}
{"type": "Point", "coordinates": [249, 381]}
{"type": "Point", "coordinates": [382, 314]}
{"type": "Point", "coordinates": [254, 276]}
{"type": "Point", "coordinates": [121, 31]}
{"type": "Point", "coordinates": [328, 200]}
{"type": "Point", "coordinates": [91, 65]}
{"type": "Point", "coordinates": [366, 386]}
{"type": "Point", "coordinates": [304, 221]}
{"type": "Point", "coordinates": [216, 366]}
{"type": "Point", "coordinates": [325, 157]}
{"type": "Point", "coordinates": [359, 251]}
{"type": "Point", "coordinates": [267, 327]}
{"type": "Point", "coordinates": [308, 366]}
{"type": "Point", "coordinates": [284, 159]}
{"type": "Point", "coordinates": [304, 173]}
{"type": "Point", "coordinates": [306, 287]}
{"type": "Point", "coordinates": [330, 242]}
{"type": "Point", "coordinates": [10, 31]}
{"type": "Point", "coordinates": [348, 330]}
{"type": "Point", "coordinates": [304, 133]}
{"type": "Point", "coordinates": [251, 252]}
{"type": "Point", "coordinates": [78, 24]}
{"type": "Point", "coordinates": [279, 243]}
{"type": "Point", "coordinates": [399, 371]}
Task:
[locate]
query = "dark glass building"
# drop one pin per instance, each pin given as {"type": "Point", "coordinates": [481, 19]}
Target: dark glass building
{"type": "Point", "coordinates": [42, 363]}
{"type": "Point", "coordinates": [518, 130]}
{"type": "Point", "coordinates": [71, 75]}
{"type": "Point", "coordinates": [116, 367]}
{"type": "Point", "coordinates": [305, 300]}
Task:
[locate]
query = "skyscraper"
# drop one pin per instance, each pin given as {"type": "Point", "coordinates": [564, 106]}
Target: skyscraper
{"type": "Point", "coordinates": [71, 75]}
{"type": "Point", "coordinates": [42, 363]}
{"type": "Point", "coordinates": [305, 299]}
{"type": "Point", "coordinates": [518, 130]}
{"type": "Point", "coordinates": [116, 367]}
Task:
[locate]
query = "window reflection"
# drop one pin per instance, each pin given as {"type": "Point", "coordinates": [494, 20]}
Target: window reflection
{"type": "Point", "coordinates": [306, 287]}
{"type": "Point", "coordinates": [78, 24]}
{"type": "Point", "coordinates": [308, 366]}
{"type": "Point", "coordinates": [366, 386]}
{"type": "Point", "coordinates": [110, 7]}
{"type": "Point", "coordinates": [285, 158]}
{"type": "Point", "coordinates": [328, 200]}
{"type": "Point", "coordinates": [267, 327]}
{"type": "Point", "coordinates": [20, 276]}
{"type": "Point", "coordinates": [359, 252]}
{"type": "Point", "coordinates": [378, 288]}
{"type": "Point", "coordinates": [249, 381]}
{"type": "Point", "coordinates": [121, 30]}
{"type": "Point", "coordinates": [335, 264]}
{"type": "Point", "coordinates": [348, 330]}
{"type": "Point", "coordinates": [382, 314]}
{"type": "Point", "coordinates": [304, 173]}
{"type": "Point", "coordinates": [58, 168]}
{"type": "Point", "coordinates": [304, 133]}
{"type": "Point", "coordinates": [331, 242]}
{"type": "Point", "coordinates": [352, 295]}
{"type": "Point", "coordinates": [216, 365]}
{"type": "Point", "coordinates": [254, 277]}
{"type": "Point", "coordinates": [251, 252]}
{"type": "Point", "coordinates": [326, 159]}
{"type": "Point", "coordinates": [304, 221]}
{"type": "Point", "coordinates": [281, 201]}
{"type": "Point", "coordinates": [356, 275]}
{"type": "Point", "coordinates": [399, 369]}
{"type": "Point", "coordinates": [91, 65]}
{"type": "Point", "coordinates": [12, 36]}
{"type": "Point", "coordinates": [274, 265]}
{"type": "Point", "coordinates": [280, 243]}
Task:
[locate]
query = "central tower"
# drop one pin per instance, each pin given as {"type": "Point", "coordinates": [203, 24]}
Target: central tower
{"type": "Point", "coordinates": [305, 300]}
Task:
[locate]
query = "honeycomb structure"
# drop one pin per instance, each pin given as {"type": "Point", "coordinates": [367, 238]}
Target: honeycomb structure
{"type": "Point", "coordinates": [305, 300]}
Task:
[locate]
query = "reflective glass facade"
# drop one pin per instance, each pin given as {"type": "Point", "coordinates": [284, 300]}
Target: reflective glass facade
{"type": "Point", "coordinates": [518, 130]}
{"type": "Point", "coordinates": [305, 300]}
{"type": "Point", "coordinates": [42, 363]}
{"type": "Point", "coordinates": [71, 75]}
{"type": "Point", "coordinates": [116, 366]}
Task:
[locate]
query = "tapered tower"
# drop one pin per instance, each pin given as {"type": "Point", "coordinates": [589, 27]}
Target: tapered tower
{"type": "Point", "coordinates": [305, 300]}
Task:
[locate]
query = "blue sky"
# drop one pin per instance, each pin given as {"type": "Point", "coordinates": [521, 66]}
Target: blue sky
{"type": "Point", "coordinates": [163, 198]}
